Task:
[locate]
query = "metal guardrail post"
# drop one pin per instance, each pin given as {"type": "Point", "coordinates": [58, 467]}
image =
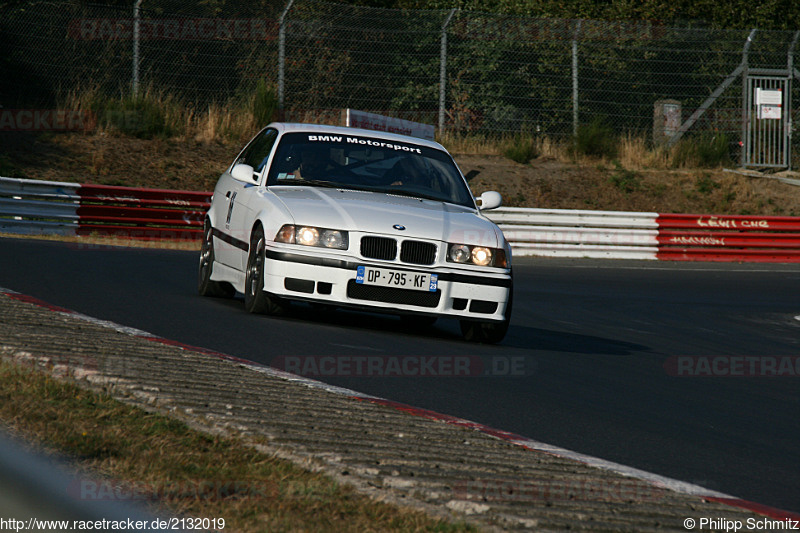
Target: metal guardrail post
{"type": "Point", "coordinates": [443, 70]}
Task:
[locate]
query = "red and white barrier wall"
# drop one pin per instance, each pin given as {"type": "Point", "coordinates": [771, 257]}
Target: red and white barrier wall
{"type": "Point", "coordinates": [46, 207]}
{"type": "Point", "coordinates": [630, 235]}
{"type": "Point", "coordinates": [60, 208]}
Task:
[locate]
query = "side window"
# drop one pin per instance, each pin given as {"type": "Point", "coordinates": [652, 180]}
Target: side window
{"type": "Point", "coordinates": [257, 153]}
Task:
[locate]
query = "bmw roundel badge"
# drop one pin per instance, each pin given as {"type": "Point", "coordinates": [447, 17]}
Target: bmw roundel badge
{"type": "Point", "coordinates": [399, 227]}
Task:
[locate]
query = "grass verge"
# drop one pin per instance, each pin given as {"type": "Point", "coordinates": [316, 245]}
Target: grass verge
{"type": "Point", "coordinates": [186, 471]}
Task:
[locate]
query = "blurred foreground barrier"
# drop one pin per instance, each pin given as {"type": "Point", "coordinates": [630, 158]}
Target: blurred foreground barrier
{"type": "Point", "coordinates": [46, 207]}
{"type": "Point", "coordinates": [59, 208]}
{"type": "Point", "coordinates": [629, 235]}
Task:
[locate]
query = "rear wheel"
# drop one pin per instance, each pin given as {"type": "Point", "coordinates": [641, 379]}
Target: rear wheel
{"type": "Point", "coordinates": [488, 332]}
{"type": "Point", "coordinates": [205, 286]}
{"type": "Point", "coordinates": [255, 299]}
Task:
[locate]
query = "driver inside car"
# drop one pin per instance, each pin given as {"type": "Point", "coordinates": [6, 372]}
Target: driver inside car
{"type": "Point", "coordinates": [405, 172]}
{"type": "Point", "coordinates": [314, 164]}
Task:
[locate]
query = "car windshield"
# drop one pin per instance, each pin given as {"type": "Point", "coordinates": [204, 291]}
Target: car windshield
{"type": "Point", "coordinates": [371, 164]}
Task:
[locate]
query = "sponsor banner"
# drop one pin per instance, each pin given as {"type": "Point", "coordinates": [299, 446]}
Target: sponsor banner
{"type": "Point", "coordinates": [372, 121]}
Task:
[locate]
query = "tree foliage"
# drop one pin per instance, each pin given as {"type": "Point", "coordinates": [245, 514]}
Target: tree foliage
{"type": "Point", "coordinates": [732, 14]}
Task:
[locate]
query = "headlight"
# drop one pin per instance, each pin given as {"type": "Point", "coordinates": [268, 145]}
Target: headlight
{"type": "Point", "coordinates": [312, 236]}
{"type": "Point", "coordinates": [459, 253]}
{"type": "Point", "coordinates": [482, 256]}
{"type": "Point", "coordinates": [307, 236]}
{"type": "Point", "coordinates": [477, 255]}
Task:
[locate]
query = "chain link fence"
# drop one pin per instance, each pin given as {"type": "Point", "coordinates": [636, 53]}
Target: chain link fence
{"type": "Point", "coordinates": [463, 71]}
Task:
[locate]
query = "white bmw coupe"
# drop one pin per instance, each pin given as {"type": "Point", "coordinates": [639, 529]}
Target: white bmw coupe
{"type": "Point", "coordinates": [356, 218]}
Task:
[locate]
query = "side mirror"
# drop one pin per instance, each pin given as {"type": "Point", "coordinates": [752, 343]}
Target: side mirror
{"type": "Point", "coordinates": [489, 200]}
{"type": "Point", "coordinates": [243, 173]}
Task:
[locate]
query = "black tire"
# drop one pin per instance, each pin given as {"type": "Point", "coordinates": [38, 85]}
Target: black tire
{"type": "Point", "coordinates": [488, 332]}
{"type": "Point", "coordinates": [205, 286]}
{"type": "Point", "coordinates": [255, 299]}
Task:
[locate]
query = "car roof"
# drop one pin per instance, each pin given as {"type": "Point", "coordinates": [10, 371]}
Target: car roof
{"type": "Point", "coordinates": [292, 127]}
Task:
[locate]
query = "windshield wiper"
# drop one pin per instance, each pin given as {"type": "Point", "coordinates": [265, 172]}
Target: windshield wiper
{"type": "Point", "coordinates": [410, 194]}
{"type": "Point", "coordinates": [316, 183]}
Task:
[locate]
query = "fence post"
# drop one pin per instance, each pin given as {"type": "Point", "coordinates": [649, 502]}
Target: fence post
{"type": "Point", "coordinates": [575, 79]}
{"type": "Point", "coordinates": [790, 75]}
{"type": "Point", "coordinates": [282, 57]}
{"type": "Point", "coordinates": [135, 82]}
{"type": "Point", "coordinates": [745, 111]}
{"type": "Point", "coordinates": [443, 70]}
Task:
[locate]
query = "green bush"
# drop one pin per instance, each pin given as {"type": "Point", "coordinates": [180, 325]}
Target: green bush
{"type": "Point", "coordinates": [596, 139]}
{"type": "Point", "coordinates": [713, 150]}
{"type": "Point", "coordinates": [521, 148]}
{"type": "Point", "coordinates": [142, 116]}
{"type": "Point", "coordinates": [265, 103]}
{"type": "Point", "coordinates": [705, 150]}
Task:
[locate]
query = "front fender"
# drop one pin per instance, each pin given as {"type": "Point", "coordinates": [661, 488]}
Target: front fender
{"type": "Point", "coordinates": [270, 213]}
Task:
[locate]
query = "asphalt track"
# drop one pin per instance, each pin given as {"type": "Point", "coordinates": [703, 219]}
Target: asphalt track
{"type": "Point", "coordinates": [596, 346]}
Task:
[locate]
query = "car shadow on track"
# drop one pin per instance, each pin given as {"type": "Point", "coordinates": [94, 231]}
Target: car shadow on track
{"type": "Point", "coordinates": [519, 336]}
{"type": "Point", "coordinates": [539, 339]}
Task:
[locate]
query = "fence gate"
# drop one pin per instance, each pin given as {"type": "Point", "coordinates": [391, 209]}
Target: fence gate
{"type": "Point", "coordinates": [767, 122]}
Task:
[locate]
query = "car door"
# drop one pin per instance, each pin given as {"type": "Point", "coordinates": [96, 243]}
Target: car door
{"type": "Point", "coordinates": [237, 218]}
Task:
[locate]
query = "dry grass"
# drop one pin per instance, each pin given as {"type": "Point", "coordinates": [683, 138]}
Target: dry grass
{"type": "Point", "coordinates": [156, 113]}
{"type": "Point", "coordinates": [633, 151]}
{"type": "Point", "coordinates": [159, 114]}
{"type": "Point", "coordinates": [219, 122]}
{"type": "Point", "coordinates": [191, 473]}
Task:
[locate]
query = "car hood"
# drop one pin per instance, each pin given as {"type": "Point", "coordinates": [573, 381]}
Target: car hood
{"type": "Point", "coordinates": [379, 213]}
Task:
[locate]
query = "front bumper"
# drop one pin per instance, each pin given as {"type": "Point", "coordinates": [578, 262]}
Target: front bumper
{"type": "Point", "coordinates": [327, 279]}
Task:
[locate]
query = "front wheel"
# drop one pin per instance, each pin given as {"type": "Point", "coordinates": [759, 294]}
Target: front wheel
{"type": "Point", "coordinates": [255, 299]}
{"type": "Point", "coordinates": [488, 332]}
{"type": "Point", "coordinates": [205, 286]}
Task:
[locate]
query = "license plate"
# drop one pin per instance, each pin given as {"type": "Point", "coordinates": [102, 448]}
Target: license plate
{"type": "Point", "coordinates": [386, 277]}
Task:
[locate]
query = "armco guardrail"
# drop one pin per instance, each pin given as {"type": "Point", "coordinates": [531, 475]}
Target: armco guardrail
{"type": "Point", "coordinates": [568, 233]}
{"type": "Point", "coordinates": [615, 234]}
{"type": "Point", "coordinates": [49, 207]}
{"type": "Point", "coordinates": [31, 206]}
